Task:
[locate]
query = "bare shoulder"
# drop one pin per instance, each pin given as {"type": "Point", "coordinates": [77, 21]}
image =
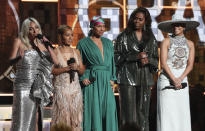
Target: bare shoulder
{"type": "Point", "coordinates": [190, 44]}
{"type": "Point", "coordinates": [17, 46]}
{"type": "Point", "coordinates": [77, 51]}
{"type": "Point", "coordinates": [17, 42]}
{"type": "Point", "coordinates": [165, 42]}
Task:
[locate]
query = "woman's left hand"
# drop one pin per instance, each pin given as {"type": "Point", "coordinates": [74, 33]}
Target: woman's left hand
{"type": "Point", "coordinates": [143, 58]}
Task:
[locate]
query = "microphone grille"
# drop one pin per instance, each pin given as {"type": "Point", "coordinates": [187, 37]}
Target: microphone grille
{"type": "Point", "coordinates": [39, 36]}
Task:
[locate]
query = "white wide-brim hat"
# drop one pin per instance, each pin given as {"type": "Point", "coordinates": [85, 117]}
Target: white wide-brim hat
{"type": "Point", "coordinates": [166, 26]}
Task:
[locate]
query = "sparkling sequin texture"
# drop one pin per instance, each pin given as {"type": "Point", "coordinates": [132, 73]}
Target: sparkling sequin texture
{"type": "Point", "coordinates": [26, 84]}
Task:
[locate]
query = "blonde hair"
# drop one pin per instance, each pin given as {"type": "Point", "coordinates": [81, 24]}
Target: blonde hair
{"type": "Point", "coordinates": [61, 30]}
{"type": "Point", "coordinates": [25, 30]}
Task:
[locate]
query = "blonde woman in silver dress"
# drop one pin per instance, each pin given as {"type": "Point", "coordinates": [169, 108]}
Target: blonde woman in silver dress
{"type": "Point", "coordinates": [67, 102]}
{"type": "Point", "coordinates": [33, 83]}
{"type": "Point", "coordinates": [177, 59]}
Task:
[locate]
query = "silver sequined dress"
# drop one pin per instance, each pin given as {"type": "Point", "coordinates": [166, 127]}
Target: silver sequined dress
{"type": "Point", "coordinates": [173, 109]}
{"type": "Point", "coordinates": [32, 89]}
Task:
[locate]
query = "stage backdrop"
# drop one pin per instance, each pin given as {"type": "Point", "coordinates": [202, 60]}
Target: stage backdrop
{"type": "Point", "coordinates": [77, 14]}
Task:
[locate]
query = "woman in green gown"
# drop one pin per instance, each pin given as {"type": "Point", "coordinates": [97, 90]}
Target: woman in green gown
{"type": "Point", "coordinates": [97, 53]}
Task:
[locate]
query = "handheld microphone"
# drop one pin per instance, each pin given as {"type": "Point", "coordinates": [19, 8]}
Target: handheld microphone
{"type": "Point", "coordinates": [72, 60]}
{"type": "Point", "coordinates": [39, 36]}
{"type": "Point", "coordinates": [71, 72]}
{"type": "Point", "coordinates": [141, 47]}
{"type": "Point", "coordinates": [152, 68]}
{"type": "Point", "coordinates": [171, 86]}
{"type": "Point", "coordinates": [46, 43]}
{"type": "Point", "coordinates": [92, 79]}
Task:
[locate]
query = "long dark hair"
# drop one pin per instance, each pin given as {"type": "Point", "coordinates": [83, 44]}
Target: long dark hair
{"type": "Point", "coordinates": [147, 31]}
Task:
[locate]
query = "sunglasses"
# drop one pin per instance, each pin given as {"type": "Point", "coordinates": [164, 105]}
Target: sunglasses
{"type": "Point", "coordinates": [179, 25]}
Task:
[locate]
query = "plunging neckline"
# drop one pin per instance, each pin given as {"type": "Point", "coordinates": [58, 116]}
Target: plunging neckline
{"type": "Point", "coordinates": [101, 53]}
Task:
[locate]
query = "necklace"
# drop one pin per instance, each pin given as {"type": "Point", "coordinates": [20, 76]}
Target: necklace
{"type": "Point", "coordinates": [66, 45]}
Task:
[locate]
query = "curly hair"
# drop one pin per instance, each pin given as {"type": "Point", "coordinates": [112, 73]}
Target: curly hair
{"type": "Point", "coordinates": [147, 32]}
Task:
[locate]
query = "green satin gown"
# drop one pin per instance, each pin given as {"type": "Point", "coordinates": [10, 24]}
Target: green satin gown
{"type": "Point", "coordinates": [100, 112]}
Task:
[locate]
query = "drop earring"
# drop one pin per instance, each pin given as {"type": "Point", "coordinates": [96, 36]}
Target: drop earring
{"type": "Point", "coordinates": [144, 28]}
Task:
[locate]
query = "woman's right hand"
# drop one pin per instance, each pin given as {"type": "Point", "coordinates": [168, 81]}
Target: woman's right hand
{"type": "Point", "coordinates": [86, 82]}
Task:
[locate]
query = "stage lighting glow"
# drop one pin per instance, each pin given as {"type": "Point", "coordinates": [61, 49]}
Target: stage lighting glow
{"type": "Point", "coordinates": [39, 0]}
{"type": "Point", "coordinates": [124, 14]}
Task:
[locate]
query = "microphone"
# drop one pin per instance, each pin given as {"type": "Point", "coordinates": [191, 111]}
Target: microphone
{"type": "Point", "coordinates": [71, 72]}
{"type": "Point", "coordinates": [152, 68]}
{"type": "Point", "coordinates": [92, 79]}
{"type": "Point", "coordinates": [141, 47]}
{"type": "Point", "coordinates": [72, 60]}
{"type": "Point", "coordinates": [184, 85]}
{"type": "Point", "coordinates": [142, 54]}
{"type": "Point", "coordinates": [46, 43]}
